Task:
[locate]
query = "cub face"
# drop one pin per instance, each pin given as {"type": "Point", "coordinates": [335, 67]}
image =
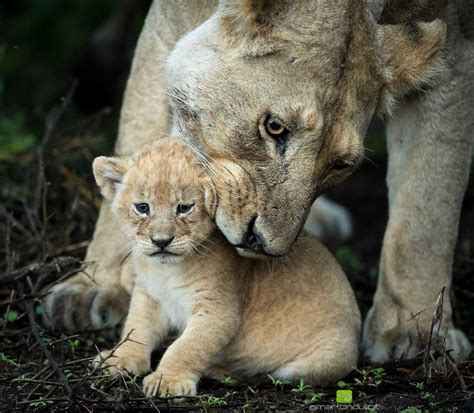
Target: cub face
{"type": "Point", "coordinates": [162, 197]}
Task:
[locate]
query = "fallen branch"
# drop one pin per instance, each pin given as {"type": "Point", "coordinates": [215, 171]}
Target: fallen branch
{"type": "Point", "coordinates": [54, 266]}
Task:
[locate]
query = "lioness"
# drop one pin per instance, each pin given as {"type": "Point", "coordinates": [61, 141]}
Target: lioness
{"type": "Point", "coordinates": [294, 317]}
{"type": "Point", "coordinates": [287, 89]}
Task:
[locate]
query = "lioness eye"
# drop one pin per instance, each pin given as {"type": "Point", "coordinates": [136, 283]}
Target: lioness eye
{"type": "Point", "coordinates": [274, 127]}
{"type": "Point", "coordinates": [142, 208]}
{"type": "Point", "coordinates": [184, 208]}
{"type": "Point", "coordinates": [339, 166]}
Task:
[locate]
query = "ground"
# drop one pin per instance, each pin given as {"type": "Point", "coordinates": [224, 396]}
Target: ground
{"type": "Point", "coordinates": [48, 207]}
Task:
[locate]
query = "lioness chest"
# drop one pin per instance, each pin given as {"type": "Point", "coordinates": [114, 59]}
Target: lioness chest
{"type": "Point", "coordinates": [170, 287]}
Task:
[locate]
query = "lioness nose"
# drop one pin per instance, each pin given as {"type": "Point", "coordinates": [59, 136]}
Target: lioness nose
{"type": "Point", "coordinates": [252, 240]}
{"type": "Point", "coordinates": [162, 243]}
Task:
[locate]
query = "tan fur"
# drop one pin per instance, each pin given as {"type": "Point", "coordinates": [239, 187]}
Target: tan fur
{"type": "Point", "coordinates": [294, 318]}
{"type": "Point", "coordinates": [324, 67]}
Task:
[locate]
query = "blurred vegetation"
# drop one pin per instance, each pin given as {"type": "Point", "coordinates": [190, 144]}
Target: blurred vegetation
{"type": "Point", "coordinates": [39, 42]}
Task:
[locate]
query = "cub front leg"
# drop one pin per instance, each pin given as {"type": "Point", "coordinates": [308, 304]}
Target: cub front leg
{"type": "Point", "coordinates": [429, 142]}
{"type": "Point", "coordinates": [208, 331]}
{"type": "Point", "coordinates": [144, 329]}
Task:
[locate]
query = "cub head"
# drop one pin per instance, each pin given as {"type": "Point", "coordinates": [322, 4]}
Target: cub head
{"type": "Point", "coordinates": [285, 90]}
{"type": "Point", "coordinates": [162, 197]}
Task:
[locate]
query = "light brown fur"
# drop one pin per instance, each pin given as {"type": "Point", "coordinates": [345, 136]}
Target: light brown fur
{"type": "Point", "coordinates": [325, 67]}
{"type": "Point", "coordinates": [294, 317]}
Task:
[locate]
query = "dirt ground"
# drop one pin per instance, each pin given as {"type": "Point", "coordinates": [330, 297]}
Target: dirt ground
{"type": "Point", "coordinates": [48, 206]}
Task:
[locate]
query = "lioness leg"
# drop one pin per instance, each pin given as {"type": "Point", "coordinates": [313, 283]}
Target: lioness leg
{"type": "Point", "coordinates": [429, 142]}
{"type": "Point", "coordinates": [103, 302]}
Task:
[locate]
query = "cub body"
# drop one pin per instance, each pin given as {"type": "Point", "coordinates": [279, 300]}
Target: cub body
{"type": "Point", "coordinates": [293, 317]}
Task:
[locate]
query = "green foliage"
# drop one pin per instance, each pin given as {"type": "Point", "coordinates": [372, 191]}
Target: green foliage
{"type": "Point", "coordinates": [14, 136]}
{"type": "Point", "coordinates": [370, 377]}
{"type": "Point", "coordinates": [74, 344]}
{"type": "Point", "coordinates": [11, 315]}
{"type": "Point", "coordinates": [5, 359]}
{"type": "Point", "coordinates": [278, 382]}
{"type": "Point", "coordinates": [40, 404]}
{"type": "Point", "coordinates": [213, 401]}
{"type": "Point", "coordinates": [302, 386]}
{"type": "Point", "coordinates": [39, 44]}
{"type": "Point", "coordinates": [348, 258]}
{"type": "Point", "coordinates": [313, 398]}
{"type": "Point", "coordinates": [228, 381]}
{"type": "Point", "coordinates": [466, 246]}
{"type": "Point", "coordinates": [423, 393]}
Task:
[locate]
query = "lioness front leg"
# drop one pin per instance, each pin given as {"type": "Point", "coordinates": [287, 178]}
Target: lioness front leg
{"type": "Point", "coordinates": [144, 329]}
{"type": "Point", "coordinates": [429, 142]}
{"type": "Point", "coordinates": [81, 303]}
{"type": "Point", "coordinates": [208, 332]}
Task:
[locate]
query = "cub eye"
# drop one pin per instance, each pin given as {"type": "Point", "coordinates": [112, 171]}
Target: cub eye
{"type": "Point", "coordinates": [142, 208]}
{"type": "Point", "coordinates": [274, 127]}
{"type": "Point", "coordinates": [184, 208]}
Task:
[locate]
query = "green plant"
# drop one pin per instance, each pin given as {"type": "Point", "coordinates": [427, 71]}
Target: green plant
{"type": "Point", "coordinates": [6, 359]}
{"type": "Point", "coordinates": [411, 410]}
{"type": "Point", "coordinates": [423, 393]}
{"type": "Point", "coordinates": [11, 315]}
{"type": "Point", "coordinates": [302, 386]}
{"type": "Point", "coordinates": [348, 258]}
{"type": "Point", "coordinates": [74, 344]}
{"type": "Point", "coordinates": [228, 381]}
{"type": "Point", "coordinates": [370, 377]}
{"type": "Point", "coordinates": [278, 382]}
{"type": "Point", "coordinates": [313, 398]}
{"type": "Point", "coordinates": [14, 137]}
{"type": "Point", "coordinates": [40, 403]}
{"type": "Point", "coordinates": [213, 401]}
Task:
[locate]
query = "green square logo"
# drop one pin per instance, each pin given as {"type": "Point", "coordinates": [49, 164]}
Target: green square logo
{"type": "Point", "coordinates": [344, 396]}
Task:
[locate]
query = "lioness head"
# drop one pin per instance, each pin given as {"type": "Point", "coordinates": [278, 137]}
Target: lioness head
{"type": "Point", "coordinates": [163, 198]}
{"type": "Point", "coordinates": [286, 90]}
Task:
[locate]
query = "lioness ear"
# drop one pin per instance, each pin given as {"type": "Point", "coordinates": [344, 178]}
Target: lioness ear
{"type": "Point", "coordinates": [412, 54]}
{"type": "Point", "coordinates": [210, 198]}
{"type": "Point", "coordinates": [253, 12]}
{"type": "Point", "coordinates": [108, 173]}
{"type": "Point", "coordinates": [250, 23]}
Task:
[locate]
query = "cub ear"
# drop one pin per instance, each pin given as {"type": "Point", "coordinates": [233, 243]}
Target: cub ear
{"type": "Point", "coordinates": [210, 198]}
{"type": "Point", "coordinates": [412, 54]}
{"type": "Point", "coordinates": [108, 173]}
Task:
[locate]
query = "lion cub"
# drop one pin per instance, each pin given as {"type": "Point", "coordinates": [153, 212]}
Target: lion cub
{"type": "Point", "coordinates": [294, 317]}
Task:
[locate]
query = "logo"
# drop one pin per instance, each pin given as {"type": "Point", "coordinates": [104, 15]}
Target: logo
{"type": "Point", "coordinates": [344, 396]}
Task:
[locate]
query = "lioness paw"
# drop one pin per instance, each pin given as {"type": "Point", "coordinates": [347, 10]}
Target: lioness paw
{"type": "Point", "coordinates": [117, 363]}
{"type": "Point", "coordinates": [329, 221]}
{"type": "Point", "coordinates": [406, 341]}
{"type": "Point", "coordinates": [164, 384]}
{"type": "Point", "coordinates": [78, 306]}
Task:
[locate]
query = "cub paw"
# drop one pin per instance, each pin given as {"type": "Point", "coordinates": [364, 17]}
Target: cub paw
{"type": "Point", "coordinates": [164, 384]}
{"type": "Point", "coordinates": [77, 306]}
{"type": "Point", "coordinates": [119, 362]}
{"type": "Point", "coordinates": [404, 340]}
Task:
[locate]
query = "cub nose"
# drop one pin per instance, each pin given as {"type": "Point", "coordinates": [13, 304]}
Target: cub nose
{"type": "Point", "coordinates": [161, 243]}
{"type": "Point", "coordinates": [252, 240]}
